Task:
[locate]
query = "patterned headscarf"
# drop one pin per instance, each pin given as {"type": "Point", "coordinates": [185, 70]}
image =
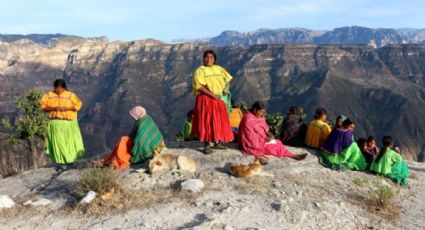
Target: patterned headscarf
{"type": "Point", "coordinates": [138, 112]}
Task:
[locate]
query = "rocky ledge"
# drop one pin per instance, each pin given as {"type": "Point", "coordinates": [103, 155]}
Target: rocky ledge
{"type": "Point", "coordinates": [299, 195]}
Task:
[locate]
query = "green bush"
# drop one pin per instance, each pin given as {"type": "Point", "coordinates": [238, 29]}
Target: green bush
{"type": "Point", "coordinates": [382, 192]}
{"type": "Point", "coordinates": [274, 121]}
{"type": "Point", "coordinates": [243, 106]}
{"type": "Point", "coordinates": [33, 122]}
{"type": "Point", "coordinates": [99, 180]}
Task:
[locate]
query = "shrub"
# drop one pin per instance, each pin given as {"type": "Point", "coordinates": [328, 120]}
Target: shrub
{"type": "Point", "coordinates": [243, 106]}
{"type": "Point", "coordinates": [33, 122]}
{"type": "Point", "coordinates": [383, 193]}
{"type": "Point", "coordinates": [360, 181]}
{"type": "Point", "coordinates": [274, 121]}
{"type": "Point", "coordinates": [99, 180]}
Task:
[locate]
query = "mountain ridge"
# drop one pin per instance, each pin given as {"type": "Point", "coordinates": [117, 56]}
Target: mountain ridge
{"type": "Point", "coordinates": [110, 77]}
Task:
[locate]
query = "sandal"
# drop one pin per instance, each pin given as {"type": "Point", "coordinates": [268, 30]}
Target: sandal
{"type": "Point", "coordinates": [208, 150]}
{"type": "Point", "coordinates": [219, 146]}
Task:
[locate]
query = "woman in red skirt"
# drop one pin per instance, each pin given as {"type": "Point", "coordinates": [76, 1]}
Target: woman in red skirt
{"type": "Point", "coordinates": [210, 119]}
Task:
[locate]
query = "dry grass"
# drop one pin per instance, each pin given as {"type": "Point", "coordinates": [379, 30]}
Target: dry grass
{"type": "Point", "coordinates": [122, 201]}
{"type": "Point", "coordinates": [361, 181]}
{"type": "Point", "coordinates": [377, 197]}
{"type": "Point", "coordinates": [99, 180]}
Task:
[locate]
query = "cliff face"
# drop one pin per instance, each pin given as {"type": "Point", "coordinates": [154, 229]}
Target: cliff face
{"type": "Point", "coordinates": [20, 157]}
{"type": "Point", "coordinates": [382, 89]}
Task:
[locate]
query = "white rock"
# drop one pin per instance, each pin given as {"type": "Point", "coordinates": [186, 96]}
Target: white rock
{"type": "Point", "coordinates": [89, 197]}
{"type": "Point", "coordinates": [227, 227]}
{"type": "Point", "coordinates": [39, 202]}
{"type": "Point", "coordinates": [6, 202]}
{"type": "Point", "coordinates": [193, 185]}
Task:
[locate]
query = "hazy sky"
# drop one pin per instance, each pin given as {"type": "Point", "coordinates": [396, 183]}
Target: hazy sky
{"type": "Point", "coordinates": [167, 20]}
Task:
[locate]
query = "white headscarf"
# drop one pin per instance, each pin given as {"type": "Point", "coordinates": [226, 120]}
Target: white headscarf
{"type": "Point", "coordinates": [138, 112]}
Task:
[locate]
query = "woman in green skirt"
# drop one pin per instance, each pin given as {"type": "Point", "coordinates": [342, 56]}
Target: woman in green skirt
{"type": "Point", "coordinates": [64, 143]}
{"type": "Point", "coordinates": [340, 152]}
{"type": "Point", "coordinates": [390, 164]}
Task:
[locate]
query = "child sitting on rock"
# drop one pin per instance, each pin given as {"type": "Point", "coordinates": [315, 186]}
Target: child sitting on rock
{"type": "Point", "coordinates": [187, 127]}
{"type": "Point", "coordinates": [390, 164]}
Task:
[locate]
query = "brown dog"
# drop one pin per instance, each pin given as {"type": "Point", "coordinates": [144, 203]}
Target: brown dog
{"type": "Point", "coordinates": [247, 170]}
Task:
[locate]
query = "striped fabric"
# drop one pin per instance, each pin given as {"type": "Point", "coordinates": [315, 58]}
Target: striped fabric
{"type": "Point", "coordinates": [146, 138]}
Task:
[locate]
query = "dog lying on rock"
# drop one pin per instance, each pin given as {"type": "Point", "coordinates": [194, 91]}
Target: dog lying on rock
{"type": "Point", "coordinates": [170, 162]}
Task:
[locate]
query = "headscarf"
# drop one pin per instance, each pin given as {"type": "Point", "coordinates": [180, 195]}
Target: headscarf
{"type": "Point", "coordinates": [138, 112]}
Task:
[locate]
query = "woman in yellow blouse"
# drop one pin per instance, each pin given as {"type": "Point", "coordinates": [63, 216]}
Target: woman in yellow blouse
{"type": "Point", "coordinates": [210, 119]}
{"type": "Point", "coordinates": [318, 130]}
{"type": "Point", "coordinates": [64, 143]}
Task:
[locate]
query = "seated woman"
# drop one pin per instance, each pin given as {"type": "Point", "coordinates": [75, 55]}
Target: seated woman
{"type": "Point", "coordinates": [145, 141]}
{"type": "Point", "coordinates": [318, 130]}
{"type": "Point", "coordinates": [235, 118]}
{"type": "Point", "coordinates": [390, 164]}
{"type": "Point", "coordinates": [255, 139]}
{"type": "Point", "coordinates": [370, 151]}
{"type": "Point", "coordinates": [293, 127]}
{"type": "Point", "coordinates": [340, 151]}
{"type": "Point", "coordinates": [187, 126]}
{"type": "Point", "coordinates": [339, 120]}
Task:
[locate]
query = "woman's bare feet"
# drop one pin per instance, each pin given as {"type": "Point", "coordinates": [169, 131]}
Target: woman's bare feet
{"type": "Point", "coordinates": [300, 156]}
{"type": "Point", "coordinates": [263, 160]}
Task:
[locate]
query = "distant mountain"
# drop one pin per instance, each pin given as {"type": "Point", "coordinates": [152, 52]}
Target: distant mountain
{"type": "Point", "coordinates": [42, 39]}
{"type": "Point", "coordinates": [382, 89]}
{"type": "Point", "coordinates": [344, 35]}
{"type": "Point", "coordinates": [37, 38]}
{"type": "Point", "coordinates": [361, 35]}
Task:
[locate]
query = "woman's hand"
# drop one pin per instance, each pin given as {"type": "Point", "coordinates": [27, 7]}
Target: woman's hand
{"type": "Point", "coordinates": [205, 91]}
{"type": "Point", "coordinates": [269, 137]}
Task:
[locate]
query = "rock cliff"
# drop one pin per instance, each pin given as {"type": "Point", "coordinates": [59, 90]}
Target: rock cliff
{"type": "Point", "coordinates": [382, 89]}
{"type": "Point", "coordinates": [298, 195]}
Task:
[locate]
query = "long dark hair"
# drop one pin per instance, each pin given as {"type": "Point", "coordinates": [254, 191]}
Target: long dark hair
{"type": "Point", "coordinates": [59, 83]}
{"type": "Point", "coordinates": [387, 141]}
{"type": "Point", "coordinates": [257, 106]}
{"type": "Point", "coordinates": [211, 52]}
{"type": "Point", "coordinates": [347, 122]}
{"type": "Point", "coordinates": [319, 113]}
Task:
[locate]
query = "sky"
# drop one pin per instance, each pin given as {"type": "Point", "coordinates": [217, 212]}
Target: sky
{"type": "Point", "coordinates": [168, 20]}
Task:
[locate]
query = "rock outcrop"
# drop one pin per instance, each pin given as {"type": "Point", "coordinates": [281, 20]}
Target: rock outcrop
{"type": "Point", "coordinates": [20, 156]}
{"type": "Point", "coordinates": [300, 195]}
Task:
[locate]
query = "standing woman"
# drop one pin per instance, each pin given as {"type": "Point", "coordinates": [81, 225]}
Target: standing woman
{"type": "Point", "coordinates": [64, 143]}
{"type": "Point", "coordinates": [210, 119]}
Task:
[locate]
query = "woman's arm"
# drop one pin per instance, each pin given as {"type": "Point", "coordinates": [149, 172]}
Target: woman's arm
{"type": "Point", "coordinates": [48, 109]}
{"type": "Point", "coordinates": [205, 91]}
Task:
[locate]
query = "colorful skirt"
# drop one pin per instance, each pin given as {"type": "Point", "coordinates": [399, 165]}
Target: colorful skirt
{"type": "Point", "coordinates": [351, 158]}
{"type": "Point", "coordinates": [120, 156]}
{"type": "Point", "coordinates": [399, 173]}
{"type": "Point", "coordinates": [64, 143]}
{"type": "Point", "coordinates": [210, 120]}
{"type": "Point", "coordinates": [277, 149]}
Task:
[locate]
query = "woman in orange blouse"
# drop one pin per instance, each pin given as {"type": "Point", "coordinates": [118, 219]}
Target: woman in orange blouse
{"type": "Point", "coordinates": [64, 143]}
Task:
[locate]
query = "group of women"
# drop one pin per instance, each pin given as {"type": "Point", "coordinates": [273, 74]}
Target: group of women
{"type": "Point", "coordinates": [212, 122]}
